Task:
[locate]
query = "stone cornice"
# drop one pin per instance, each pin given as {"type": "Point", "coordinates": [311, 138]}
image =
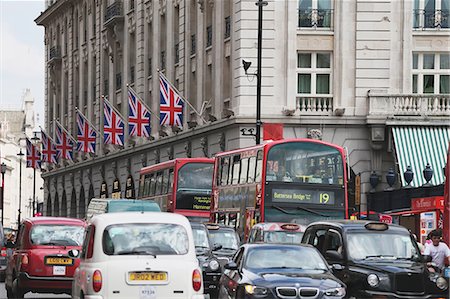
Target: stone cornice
{"type": "Point", "coordinates": [46, 16]}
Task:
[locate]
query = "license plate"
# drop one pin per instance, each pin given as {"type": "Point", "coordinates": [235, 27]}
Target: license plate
{"type": "Point", "coordinates": [60, 261]}
{"type": "Point", "coordinates": [147, 276]}
{"type": "Point", "coordinates": [59, 270]}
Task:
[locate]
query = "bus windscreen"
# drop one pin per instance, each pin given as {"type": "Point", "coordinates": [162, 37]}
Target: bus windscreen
{"type": "Point", "coordinates": [194, 186]}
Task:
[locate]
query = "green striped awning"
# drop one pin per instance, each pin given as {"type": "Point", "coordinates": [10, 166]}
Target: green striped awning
{"type": "Point", "coordinates": [417, 146]}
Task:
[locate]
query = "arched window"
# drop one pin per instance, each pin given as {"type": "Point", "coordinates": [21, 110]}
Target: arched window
{"type": "Point", "coordinates": [73, 204]}
{"type": "Point", "coordinates": [82, 204]}
{"type": "Point", "coordinates": [56, 205]}
{"type": "Point", "coordinates": [63, 212]}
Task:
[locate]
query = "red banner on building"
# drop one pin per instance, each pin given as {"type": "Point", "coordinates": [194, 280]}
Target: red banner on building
{"type": "Point", "coordinates": [272, 131]}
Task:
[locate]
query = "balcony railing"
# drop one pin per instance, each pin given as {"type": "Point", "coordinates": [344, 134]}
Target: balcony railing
{"type": "Point", "coordinates": [316, 18]}
{"type": "Point", "coordinates": [309, 105]}
{"type": "Point", "coordinates": [54, 53]}
{"type": "Point", "coordinates": [114, 12]}
{"type": "Point", "coordinates": [430, 19]}
{"type": "Point", "coordinates": [409, 105]}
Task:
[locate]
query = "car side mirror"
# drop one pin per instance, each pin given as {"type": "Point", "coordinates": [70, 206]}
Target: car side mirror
{"type": "Point", "coordinates": [427, 258]}
{"type": "Point", "coordinates": [216, 247]}
{"type": "Point", "coordinates": [231, 266]}
{"type": "Point", "coordinates": [334, 255]}
{"type": "Point", "coordinates": [337, 267]}
{"type": "Point", "coordinates": [74, 253]}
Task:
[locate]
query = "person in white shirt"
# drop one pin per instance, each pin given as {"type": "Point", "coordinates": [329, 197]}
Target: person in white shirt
{"type": "Point", "coordinates": [438, 250]}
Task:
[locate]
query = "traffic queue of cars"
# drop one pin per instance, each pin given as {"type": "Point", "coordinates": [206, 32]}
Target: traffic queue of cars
{"type": "Point", "coordinates": [163, 255]}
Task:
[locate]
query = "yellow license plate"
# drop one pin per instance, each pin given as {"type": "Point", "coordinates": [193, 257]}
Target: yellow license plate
{"type": "Point", "coordinates": [147, 276]}
{"type": "Point", "coordinates": [61, 261]}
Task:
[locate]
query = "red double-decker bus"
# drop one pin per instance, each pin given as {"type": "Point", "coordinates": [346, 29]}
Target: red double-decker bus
{"type": "Point", "coordinates": [180, 186]}
{"type": "Point", "coordinates": [298, 180]}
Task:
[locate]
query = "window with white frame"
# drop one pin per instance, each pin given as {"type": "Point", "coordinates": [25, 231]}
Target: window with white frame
{"type": "Point", "coordinates": [431, 14]}
{"type": "Point", "coordinates": [314, 74]}
{"type": "Point", "coordinates": [315, 14]}
{"type": "Point", "coordinates": [431, 73]}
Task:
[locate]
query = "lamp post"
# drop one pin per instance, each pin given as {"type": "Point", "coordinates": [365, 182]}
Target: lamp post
{"type": "Point", "coordinates": [20, 154]}
{"type": "Point", "coordinates": [3, 170]}
{"type": "Point", "coordinates": [35, 139]}
{"type": "Point", "coordinates": [260, 4]}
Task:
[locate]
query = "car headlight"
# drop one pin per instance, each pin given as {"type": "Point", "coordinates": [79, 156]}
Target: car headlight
{"type": "Point", "coordinates": [441, 283]}
{"type": "Point", "coordinates": [213, 265]}
{"type": "Point", "coordinates": [373, 280]}
{"type": "Point", "coordinates": [336, 292]}
{"type": "Point", "coordinates": [255, 290]}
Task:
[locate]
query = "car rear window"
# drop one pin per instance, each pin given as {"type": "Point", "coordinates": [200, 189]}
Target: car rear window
{"type": "Point", "coordinates": [145, 239]}
{"type": "Point", "coordinates": [57, 235]}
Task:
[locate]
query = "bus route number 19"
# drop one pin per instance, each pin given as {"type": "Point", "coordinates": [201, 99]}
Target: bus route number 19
{"type": "Point", "coordinates": [324, 198]}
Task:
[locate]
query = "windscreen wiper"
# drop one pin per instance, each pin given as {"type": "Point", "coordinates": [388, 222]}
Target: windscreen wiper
{"type": "Point", "coordinates": [136, 252]}
{"type": "Point", "coordinates": [381, 256]}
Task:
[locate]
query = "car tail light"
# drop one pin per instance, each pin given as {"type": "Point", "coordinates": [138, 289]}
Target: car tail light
{"type": "Point", "coordinates": [196, 280]}
{"type": "Point", "coordinates": [4, 252]}
{"type": "Point", "coordinates": [97, 280]}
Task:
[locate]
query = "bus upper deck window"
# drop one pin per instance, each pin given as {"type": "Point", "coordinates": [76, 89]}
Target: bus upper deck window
{"type": "Point", "coordinates": [236, 169]}
{"type": "Point", "coordinates": [259, 165]}
{"type": "Point", "coordinates": [170, 187]}
{"type": "Point", "coordinates": [225, 162]}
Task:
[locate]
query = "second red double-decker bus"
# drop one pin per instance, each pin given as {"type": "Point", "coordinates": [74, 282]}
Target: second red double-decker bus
{"type": "Point", "coordinates": [299, 180]}
{"type": "Point", "coordinates": [180, 186]}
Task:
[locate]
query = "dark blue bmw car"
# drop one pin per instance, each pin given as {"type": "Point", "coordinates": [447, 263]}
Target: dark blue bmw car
{"type": "Point", "coordinates": [279, 271]}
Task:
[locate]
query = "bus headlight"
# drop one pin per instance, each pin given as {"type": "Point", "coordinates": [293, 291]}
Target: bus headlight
{"type": "Point", "coordinates": [373, 280]}
{"type": "Point", "coordinates": [441, 283]}
{"type": "Point", "coordinates": [213, 265]}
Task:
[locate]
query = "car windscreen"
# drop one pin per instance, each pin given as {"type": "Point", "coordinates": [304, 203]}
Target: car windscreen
{"type": "Point", "coordinates": [57, 235]}
{"type": "Point", "coordinates": [145, 239]}
{"type": "Point", "coordinates": [370, 245]}
{"type": "Point", "coordinates": [283, 237]}
{"type": "Point", "coordinates": [200, 238]}
{"type": "Point", "coordinates": [302, 258]}
{"type": "Point", "coordinates": [225, 237]}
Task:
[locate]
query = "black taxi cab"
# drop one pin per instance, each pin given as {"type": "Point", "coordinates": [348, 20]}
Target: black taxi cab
{"type": "Point", "coordinates": [375, 259]}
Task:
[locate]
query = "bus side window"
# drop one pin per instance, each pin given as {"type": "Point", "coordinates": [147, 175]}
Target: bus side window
{"type": "Point", "coordinates": [230, 172]}
{"type": "Point", "coordinates": [147, 185]}
{"type": "Point", "coordinates": [244, 171]}
{"type": "Point", "coordinates": [165, 181]}
{"type": "Point", "coordinates": [236, 169]}
{"type": "Point", "coordinates": [225, 162]}
{"type": "Point", "coordinates": [158, 183]}
{"type": "Point", "coordinates": [259, 165]}
{"type": "Point", "coordinates": [251, 169]}
{"type": "Point", "coordinates": [152, 184]}
{"type": "Point", "coordinates": [170, 187]}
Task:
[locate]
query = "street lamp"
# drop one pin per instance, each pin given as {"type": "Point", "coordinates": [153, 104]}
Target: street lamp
{"type": "Point", "coordinates": [246, 65]}
{"type": "Point", "coordinates": [35, 139]}
{"type": "Point", "coordinates": [3, 170]}
{"type": "Point", "coordinates": [20, 154]}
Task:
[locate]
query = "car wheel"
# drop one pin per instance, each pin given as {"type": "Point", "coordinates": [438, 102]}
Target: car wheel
{"type": "Point", "coordinates": [17, 293]}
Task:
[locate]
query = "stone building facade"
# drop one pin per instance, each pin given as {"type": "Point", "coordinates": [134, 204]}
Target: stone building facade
{"type": "Point", "coordinates": [350, 70]}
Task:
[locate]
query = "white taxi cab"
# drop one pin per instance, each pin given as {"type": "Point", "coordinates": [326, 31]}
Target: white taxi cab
{"type": "Point", "coordinates": [145, 255]}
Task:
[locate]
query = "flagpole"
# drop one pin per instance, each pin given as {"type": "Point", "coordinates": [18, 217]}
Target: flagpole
{"type": "Point", "coordinates": [142, 101]}
{"type": "Point", "coordinates": [179, 93]}
{"type": "Point", "coordinates": [65, 131]}
{"type": "Point", "coordinates": [87, 120]}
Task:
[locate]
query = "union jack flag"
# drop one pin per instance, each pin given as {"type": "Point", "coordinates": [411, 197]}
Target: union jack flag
{"type": "Point", "coordinates": [64, 144]}
{"type": "Point", "coordinates": [138, 116]}
{"type": "Point", "coordinates": [48, 149]}
{"type": "Point", "coordinates": [86, 135]}
{"type": "Point", "coordinates": [33, 156]}
{"type": "Point", "coordinates": [114, 127]}
{"type": "Point", "coordinates": [171, 104]}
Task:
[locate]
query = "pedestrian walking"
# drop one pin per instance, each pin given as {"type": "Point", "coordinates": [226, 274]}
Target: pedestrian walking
{"type": "Point", "coordinates": [438, 250]}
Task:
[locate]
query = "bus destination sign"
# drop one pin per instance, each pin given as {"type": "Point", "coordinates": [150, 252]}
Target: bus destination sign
{"type": "Point", "coordinates": [303, 196]}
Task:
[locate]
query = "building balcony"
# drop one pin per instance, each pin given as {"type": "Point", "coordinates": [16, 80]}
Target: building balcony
{"type": "Point", "coordinates": [431, 19]}
{"type": "Point", "coordinates": [114, 13]}
{"type": "Point", "coordinates": [405, 106]}
{"type": "Point", "coordinates": [315, 105]}
{"type": "Point", "coordinates": [54, 54]}
{"type": "Point", "coordinates": [316, 18]}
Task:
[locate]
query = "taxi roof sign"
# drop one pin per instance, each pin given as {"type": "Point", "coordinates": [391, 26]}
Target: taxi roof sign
{"type": "Point", "coordinates": [380, 226]}
{"type": "Point", "coordinates": [290, 226]}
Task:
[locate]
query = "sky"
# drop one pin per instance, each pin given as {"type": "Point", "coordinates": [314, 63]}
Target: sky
{"type": "Point", "coordinates": [22, 57]}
